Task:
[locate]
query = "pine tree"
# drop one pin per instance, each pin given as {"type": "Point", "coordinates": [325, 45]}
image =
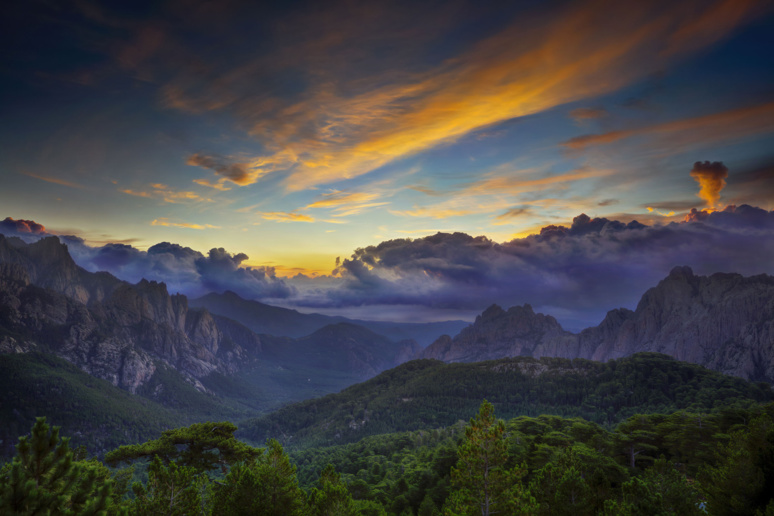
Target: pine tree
{"type": "Point", "coordinates": [43, 478]}
{"type": "Point", "coordinates": [203, 446]}
{"type": "Point", "coordinates": [482, 484]}
{"type": "Point", "coordinates": [331, 496]}
{"type": "Point", "coordinates": [171, 490]}
{"type": "Point", "coordinates": [263, 486]}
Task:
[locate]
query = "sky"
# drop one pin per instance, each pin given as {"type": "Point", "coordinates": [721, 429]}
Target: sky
{"type": "Point", "coordinates": [394, 160]}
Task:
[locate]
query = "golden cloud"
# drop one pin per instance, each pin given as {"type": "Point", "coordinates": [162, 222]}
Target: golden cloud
{"type": "Point", "coordinates": [280, 216]}
{"type": "Point", "coordinates": [163, 221]}
{"type": "Point", "coordinates": [586, 51]}
{"type": "Point", "coordinates": [217, 186]}
{"type": "Point", "coordinates": [166, 194]}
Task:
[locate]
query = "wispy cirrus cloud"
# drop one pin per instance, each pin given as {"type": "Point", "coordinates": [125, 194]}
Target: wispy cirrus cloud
{"type": "Point", "coordinates": [280, 216]}
{"type": "Point", "coordinates": [166, 194]}
{"type": "Point", "coordinates": [163, 221]}
{"type": "Point", "coordinates": [217, 186]}
{"type": "Point", "coordinates": [54, 180]}
{"type": "Point", "coordinates": [499, 190]}
{"type": "Point", "coordinates": [707, 129]}
{"type": "Point", "coordinates": [340, 130]}
{"type": "Point", "coordinates": [345, 203]}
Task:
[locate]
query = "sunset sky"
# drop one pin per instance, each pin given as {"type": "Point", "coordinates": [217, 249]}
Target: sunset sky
{"type": "Point", "coordinates": [289, 139]}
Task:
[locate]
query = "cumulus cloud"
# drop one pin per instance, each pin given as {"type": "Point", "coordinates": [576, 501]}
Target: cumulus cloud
{"type": "Point", "coordinates": [576, 272]}
{"type": "Point", "coordinates": [21, 227]}
{"type": "Point", "coordinates": [712, 179]}
{"type": "Point", "coordinates": [183, 269]}
{"type": "Point", "coordinates": [241, 174]}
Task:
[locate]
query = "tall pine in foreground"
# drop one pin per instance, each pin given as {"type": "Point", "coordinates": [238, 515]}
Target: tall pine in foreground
{"type": "Point", "coordinates": [44, 478]}
{"type": "Point", "coordinates": [482, 484]}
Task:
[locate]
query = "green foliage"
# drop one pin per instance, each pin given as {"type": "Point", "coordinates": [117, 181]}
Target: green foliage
{"type": "Point", "coordinates": [742, 481]}
{"type": "Point", "coordinates": [427, 394]}
{"type": "Point", "coordinates": [479, 479]}
{"type": "Point", "coordinates": [92, 411]}
{"type": "Point", "coordinates": [203, 446]}
{"type": "Point", "coordinates": [660, 491]}
{"type": "Point", "coordinates": [43, 478]}
{"type": "Point", "coordinates": [262, 486]}
{"type": "Point", "coordinates": [171, 490]}
{"type": "Point", "coordinates": [331, 497]}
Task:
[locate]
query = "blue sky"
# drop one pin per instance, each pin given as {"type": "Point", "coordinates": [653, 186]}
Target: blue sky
{"type": "Point", "coordinates": [296, 135]}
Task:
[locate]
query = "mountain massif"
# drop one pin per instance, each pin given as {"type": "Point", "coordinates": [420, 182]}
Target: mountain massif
{"type": "Point", "coordinates": [724, 322]}
{"type": "Point", "coordinates": [125, 333]}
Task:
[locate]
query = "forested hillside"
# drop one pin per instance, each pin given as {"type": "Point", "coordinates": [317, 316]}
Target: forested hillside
{"type": "Point", "coordinates": [427, 394]}
{"type": "Point", "coordinates": [91, 411]}
{"type": "Point", "coordinates": [684, 463]}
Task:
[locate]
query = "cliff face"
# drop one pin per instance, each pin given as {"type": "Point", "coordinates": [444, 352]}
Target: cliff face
{"type": "Point", "coordinates": [109, 328]}
{"type": "Point", "coordinates": [121, 332]}
{"type": "Point", "coordinates": [497, 333]}
{"type": "Point", "coordinates": [724, 322]}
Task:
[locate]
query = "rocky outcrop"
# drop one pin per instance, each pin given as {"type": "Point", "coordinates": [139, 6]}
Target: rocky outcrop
{"type": "Point", "coordinates": [122, 332]}
{"type": "Point", "coordinates": [724, 322]}
{"type": "Point", "coordinates": [497, 333]}
{"type": "Point", "coordinates": [109, 328]}
{"type": "Point", "coordinates": [49, 265]}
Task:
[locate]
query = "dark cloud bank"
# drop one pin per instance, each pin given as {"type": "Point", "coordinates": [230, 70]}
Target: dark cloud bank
{"type": "Point", "coordinates": [183, 269]}
{"type": "Point", "coordinates": [575, 273]}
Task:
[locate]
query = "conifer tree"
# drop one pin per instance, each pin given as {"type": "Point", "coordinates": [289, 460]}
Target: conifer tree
{"type": "Point", "coordinates": [482, 483]}
{"type": "Point", "coordinates": [331, 496]}
{"type": "Point", "coordinates": [43, 478]}
{"type": "Point", "coordinates": [263, 486]}
{"type": "Point", "coordinates": [203, 446]}
{"type": "Point", "coordinates": [171, 490]}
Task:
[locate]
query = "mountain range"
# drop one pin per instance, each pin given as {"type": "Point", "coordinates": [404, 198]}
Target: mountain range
{"type": "Point", "coordinates": [724, 322]}
{"type": "Point", "coordinates": [144, 340]}
{"type": "Point", "coordinates": [130, 334]}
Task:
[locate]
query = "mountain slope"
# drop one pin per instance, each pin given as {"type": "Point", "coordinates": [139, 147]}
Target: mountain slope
{"type": "Point", "coordinates": [274, 320]}
{"type": "Point", "coordinates": [92, 411]}
{"type": "Point", "coordinates": [724, 322]}
{"type": "Point", "coordinates": [142, 339]}
{"type": "Point", "coordinates": [426, 394]}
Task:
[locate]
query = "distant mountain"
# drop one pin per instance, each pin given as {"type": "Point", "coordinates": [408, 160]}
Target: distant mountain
{"type": "Point", "coordinates": [109, 328]}
{"type": "Point", "coordinates": [428, 394]}
{"type": "Point", "coordinates": [142, 339]}
{"type": "Point", "coordinates": [274, 320]}
{"type": "Point", "coordinates": [342, 347]}
{"type": "Point", "coordinates": [724, 322]}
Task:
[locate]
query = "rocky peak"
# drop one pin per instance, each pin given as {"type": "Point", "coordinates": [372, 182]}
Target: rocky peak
{"type": "Point", "coordinates": [498, 333]}
{"type": "Point", "coordinates": [491, 313]}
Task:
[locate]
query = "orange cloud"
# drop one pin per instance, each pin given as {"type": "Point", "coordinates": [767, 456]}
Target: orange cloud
{"type": "Point", "coordinates": [163, 221]}
{"type": "Point", "coordinates": [217, 186]}
{"type": "Point", "coordinates": [712, 179]}
{"type": "Point", "coordinates": [166, 194]}
{"type": "Point", "coordinates": [338, 198]}
{"type": "Point", "coordinates": [347, 203]}
{"type": "Point", "coordinates": [588, 50]}
{"type": "Point", "coordinates": [280, 216]}
{"type": "Point", "coordinates": [726, 125]}
{"type": "Point", "coordinates": [54, 180]}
